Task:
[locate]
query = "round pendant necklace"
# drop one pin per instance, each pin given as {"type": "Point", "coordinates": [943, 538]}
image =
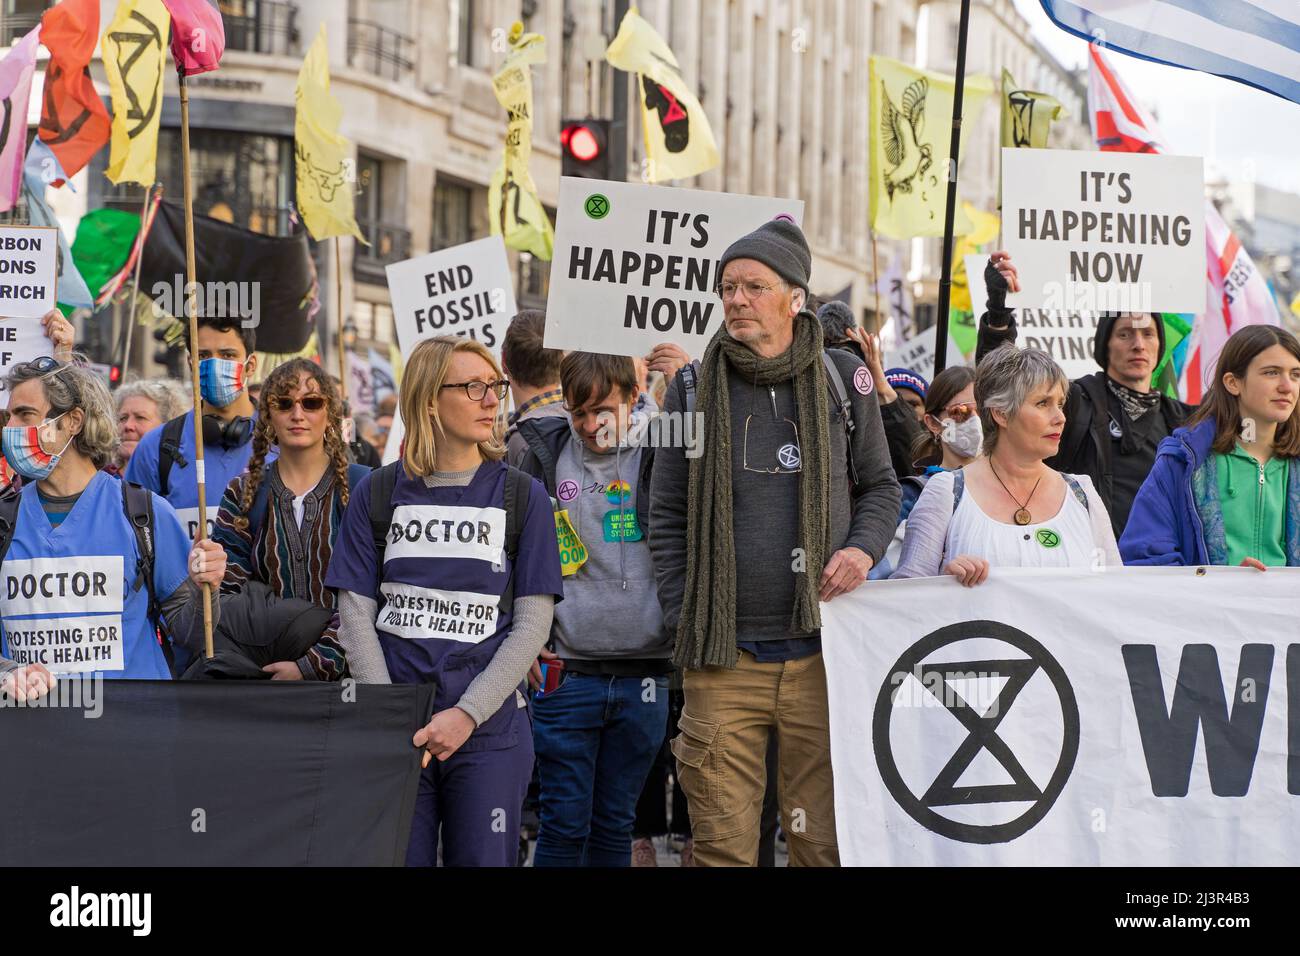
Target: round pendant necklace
{"type": "Point", "coordinates": [1022, 516]}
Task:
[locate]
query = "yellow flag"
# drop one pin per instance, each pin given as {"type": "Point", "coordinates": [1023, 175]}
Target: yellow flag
{"type": "Point", "coordinates": [911, 132]}
{"type": "Point", "coordinates": [326, 169]}
{"type": "Point", "coordinates": [985, 229]}
{"type": "Point", "coordinates": [135, 55]}
{"type": "Point", "coordinates": [1295, 305]}
{"type": "Point", "coordinates": [1027, 116]}
{"type": "Point", "coordinates": [515, 211]}
{"type": "Point", "coordinates": [678, 140]}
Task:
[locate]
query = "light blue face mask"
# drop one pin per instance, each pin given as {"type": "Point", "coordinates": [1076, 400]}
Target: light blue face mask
{"type": "Point", "coordinates": [22, 449]}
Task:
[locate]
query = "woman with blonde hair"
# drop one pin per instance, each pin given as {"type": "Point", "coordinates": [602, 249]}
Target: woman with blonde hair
{"type": "Point", "coordinates": [447, 572]}
{"type": "Point", "coordinates": [278, 520]}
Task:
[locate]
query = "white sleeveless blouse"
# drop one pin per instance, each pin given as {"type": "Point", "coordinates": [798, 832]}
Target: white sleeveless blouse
{"type": "Point", "coordinates": [1064, 540]}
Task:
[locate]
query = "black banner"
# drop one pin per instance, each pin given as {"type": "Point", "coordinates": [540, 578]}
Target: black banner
{"type": "Point", "coordinates": [228, 773]}
{"type": "Point", "coordinates": [265, 281]}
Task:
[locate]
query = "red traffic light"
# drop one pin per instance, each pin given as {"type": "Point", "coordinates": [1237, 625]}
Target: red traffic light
{"type": "Point", "coordinates": [581, 142]}
{"type": "Point", "coordinates": [114, 374]}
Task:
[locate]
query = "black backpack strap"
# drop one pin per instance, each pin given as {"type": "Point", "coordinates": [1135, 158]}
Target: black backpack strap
{"type": "Point", "coordinates": [137, 502]}
{"type": "Point", "coordinates": [518, 488]}
{"type": "Point", "coordinates": [9, 502]}
{"type": "Point", "coordinates": [169, 451]}
{"type": "Point", "coordinates": [688, 380]}
{"type": "Point", "coordinates": [261, 501]}
{"type": "Point", "coordinates": [382, 482]}
{"type": "Point", "coordinates": [840, 394]}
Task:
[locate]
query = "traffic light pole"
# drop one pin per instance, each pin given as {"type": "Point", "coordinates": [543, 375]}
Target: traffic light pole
{"type": "Point", "coordinates": [619, 125]}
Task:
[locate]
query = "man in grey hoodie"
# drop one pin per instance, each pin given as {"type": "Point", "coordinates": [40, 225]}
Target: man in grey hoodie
{"type": "Point", "coordinates": [597, 733]}
{"type": "Point", "coordinates": [790, 502]}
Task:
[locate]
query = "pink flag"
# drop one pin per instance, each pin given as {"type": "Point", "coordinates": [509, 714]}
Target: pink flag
{"type": "Point", "coordinates": [198, 35]}
{"type": "Point", "coordinates": [1236, 293]}
{"type": "Point", "coordinates": [15, 94]}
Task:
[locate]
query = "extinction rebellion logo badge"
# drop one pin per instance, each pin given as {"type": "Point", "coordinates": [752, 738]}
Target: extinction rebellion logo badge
{"type": "Point", "coordinates": [953, 744]}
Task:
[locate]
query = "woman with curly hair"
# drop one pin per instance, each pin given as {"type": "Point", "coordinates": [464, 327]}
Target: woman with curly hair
{"type": "Point", "coordinates": [278, 521]}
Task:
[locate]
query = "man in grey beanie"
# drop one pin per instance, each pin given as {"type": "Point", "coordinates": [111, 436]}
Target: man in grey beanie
{"type": "Point", "coordinates": [810, 504]}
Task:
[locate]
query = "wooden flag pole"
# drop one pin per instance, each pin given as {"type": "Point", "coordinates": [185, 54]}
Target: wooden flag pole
{"type": "Point", "coordinates": [945, 268]}
{"type": "Point", "coordinates": [338, 288]}
{"type": "Point", "coordinates": [191, 311]}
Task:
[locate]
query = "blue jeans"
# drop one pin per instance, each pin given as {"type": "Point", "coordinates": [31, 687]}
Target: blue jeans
{"type": "Point", "coordinates": [596, 738]}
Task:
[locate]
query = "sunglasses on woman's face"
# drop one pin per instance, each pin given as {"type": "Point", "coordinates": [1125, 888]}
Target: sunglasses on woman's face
{"type": "Point", "coordinates": [960, 412]}
{"type": "Point", "coordinates": [309, 403]}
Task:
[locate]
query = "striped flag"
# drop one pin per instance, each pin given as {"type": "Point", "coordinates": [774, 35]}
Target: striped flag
{"type": "Point", "coordinates": [1236, 293]}
{"type": "Point", "coordinates": [1256, 42]}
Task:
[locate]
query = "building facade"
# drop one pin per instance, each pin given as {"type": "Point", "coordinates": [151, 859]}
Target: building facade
{"type": "Point", "coordinates": [784, 84]}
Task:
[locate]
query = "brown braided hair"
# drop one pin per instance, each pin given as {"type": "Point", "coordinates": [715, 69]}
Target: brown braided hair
{"type": "Point", "coordinates": [281, 383]}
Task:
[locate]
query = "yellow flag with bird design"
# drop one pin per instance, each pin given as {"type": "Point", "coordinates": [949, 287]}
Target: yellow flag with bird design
{"type": "Point", "coordinates": [911, 134]}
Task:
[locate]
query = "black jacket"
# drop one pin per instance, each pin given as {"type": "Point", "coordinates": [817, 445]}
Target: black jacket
{"type": "Point", "coordinates": [257, 628]}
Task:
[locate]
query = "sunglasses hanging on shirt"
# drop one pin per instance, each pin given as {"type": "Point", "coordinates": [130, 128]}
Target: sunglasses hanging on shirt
{"type": "Point", "coordinates": [775, 448]}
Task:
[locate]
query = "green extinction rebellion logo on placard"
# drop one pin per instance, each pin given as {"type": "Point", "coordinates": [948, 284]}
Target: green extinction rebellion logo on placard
{"type": "Point", "coordinates": [597, 206]}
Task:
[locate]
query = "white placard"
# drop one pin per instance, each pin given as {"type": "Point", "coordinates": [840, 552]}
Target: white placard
{"type": "Point", "coordinates": [21, 340]}
{"type": "Point", "coordinates": [464, 290]}
{"type": "Point", "coordinates": [1110, 716]}
{"type": "Point", "coordinates": [29, 277]}
{"type": "Point", "coordinates": [637, 265]}
{"type": "Point", "coordinates": [418, 613]}
{"type": "Point", "coordinates": [1100, 231]}
{"type": "Point", "coordinates": [917, 354]}
{"type": "Point", "coordinates": [65, 613]}
{"type": "Point", "coordinates": [1065, 336]}
{"type": "Point", "coordinates": [446, 531]}
{"type": "Point", "coordinates": [189, 518]}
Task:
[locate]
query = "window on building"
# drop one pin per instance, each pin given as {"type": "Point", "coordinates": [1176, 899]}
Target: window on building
{"type": "Point", "coordinates": [462, 12]}
{"type": "Point", "coordinates": [260, 26]}
{"type": "Point", "coordinates": [20, 17]}
{"type": "Point", "coordinates": [241, 178]}
{"type": "Point", "coordinates": [378, 210]}
{"type": "Point", "coordinates": [381, 45]}
{"type": "Point", "coordinates": [452, 214]}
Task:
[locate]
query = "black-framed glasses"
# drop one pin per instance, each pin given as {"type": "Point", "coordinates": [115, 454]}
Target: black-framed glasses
{"type": "Point", "coordinates": [477, 391]}
{"type": "Point", "coordinates": [41, 366]}
{"type": "Point", "coordinates": [309, 403]}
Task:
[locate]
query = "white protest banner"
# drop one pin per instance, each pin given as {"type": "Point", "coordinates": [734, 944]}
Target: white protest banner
{"type": "Point", "coordinates": [65, 613]}
{"type": "Point", "coordinates": [21, 340]}
{"type": "Point", "coordinates": [1066, 336]}
{"type": "Point", "coordinates": [464, 290]}
{"type": "Point", "coordinates": [1114, 717]}
{"type": "Point", "coordinates": [1099, 231]}
{"type": "Point", "coordinates": [28, 270]}
{"type": "Point", "coordinates": [917, 354]}
{"type": "Point", "coordinates": [637, 265]}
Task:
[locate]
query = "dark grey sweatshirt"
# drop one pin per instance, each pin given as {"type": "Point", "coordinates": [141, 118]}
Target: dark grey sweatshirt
{"type": "Point", "coordinates": [766, 506]}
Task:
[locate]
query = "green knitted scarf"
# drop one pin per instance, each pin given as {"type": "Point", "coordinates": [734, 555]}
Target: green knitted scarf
{"type": "Point", "coordinates": [706, 630]}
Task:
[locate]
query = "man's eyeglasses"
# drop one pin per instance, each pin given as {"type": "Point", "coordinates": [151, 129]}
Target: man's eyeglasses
{"type": "Point", "coordinates": [309, 403]}
{"type": "Point", "coordinates": [753, 290]}
{"type": "Point", "coordinates": [477, 391]}
{"type": "Point", "coordinates": [960, 412]}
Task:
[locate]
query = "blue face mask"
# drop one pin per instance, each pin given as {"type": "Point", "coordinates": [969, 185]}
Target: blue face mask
{"type": "Point", "coordinates": [22, 449]}
{"type": "Point", "coordinates": [220, 381]}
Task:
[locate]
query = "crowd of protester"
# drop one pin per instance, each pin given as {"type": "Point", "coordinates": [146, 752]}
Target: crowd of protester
{"type": "Point", "coordinates": [624, 637]}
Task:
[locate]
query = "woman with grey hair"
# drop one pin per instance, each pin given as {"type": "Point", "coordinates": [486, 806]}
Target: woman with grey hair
{"type": "Point", "coordinates": [1008, 508]}
{"type": "Point", "coordinates": [75, 596]}
{"type": "Point", "coordinates": [144, 405]}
